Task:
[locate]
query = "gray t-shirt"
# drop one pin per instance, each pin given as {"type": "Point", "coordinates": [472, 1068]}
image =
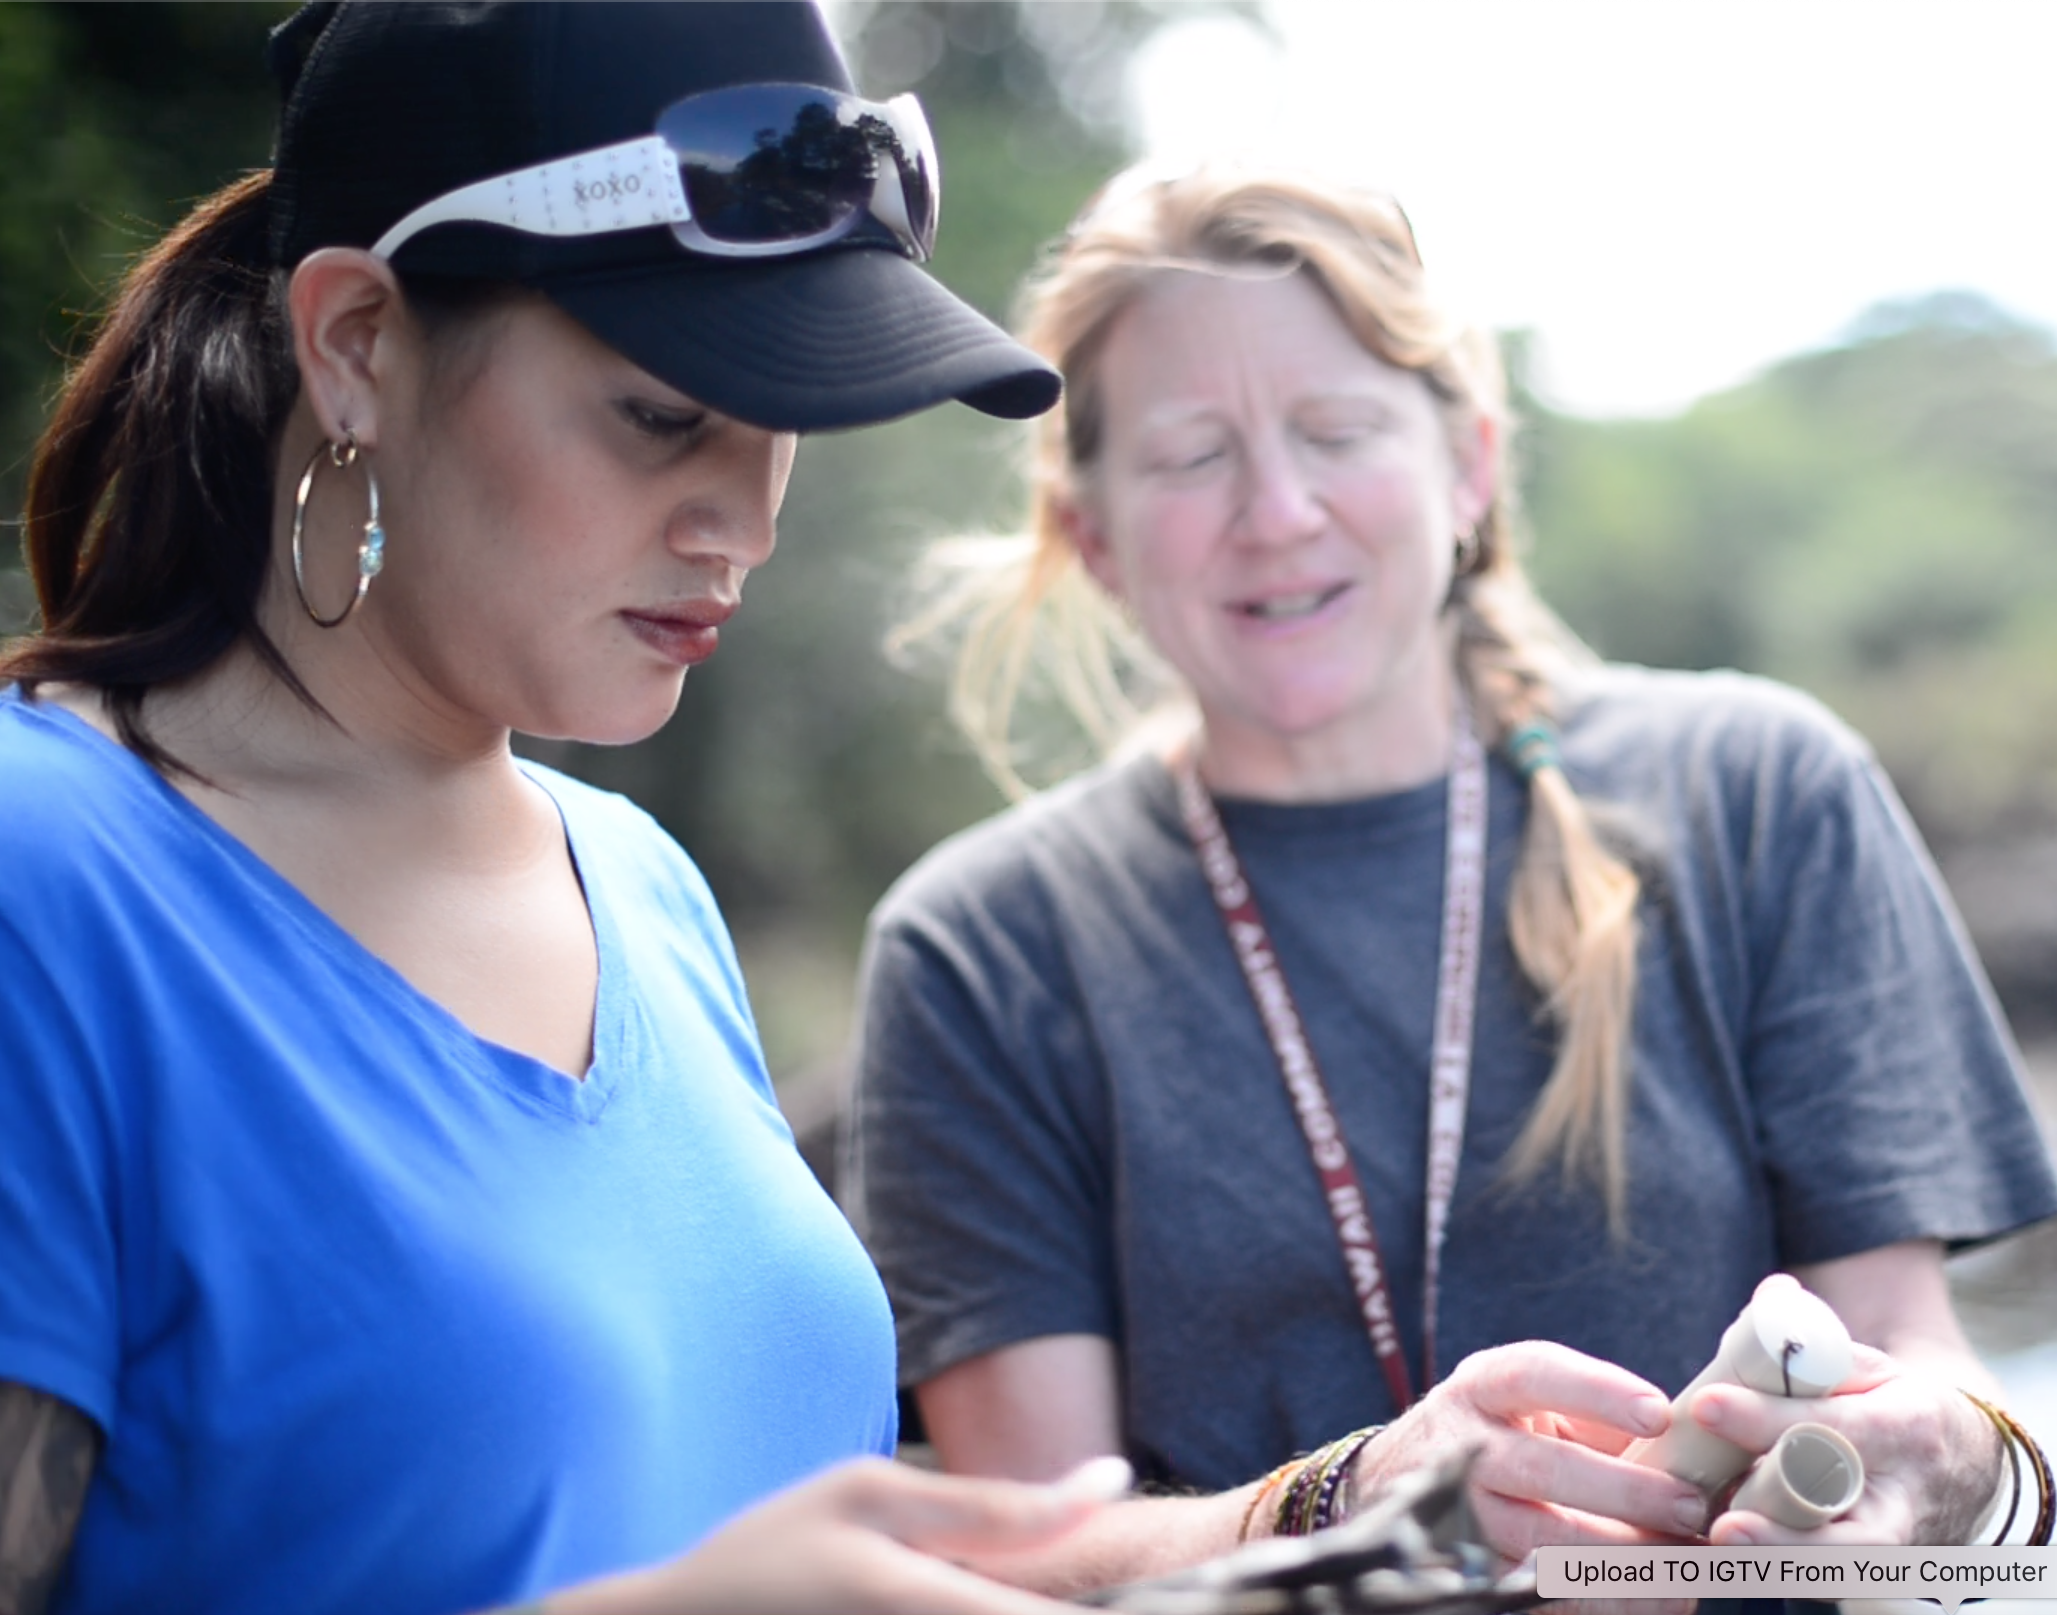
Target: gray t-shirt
{"type": "Point", "coordinates": [1068, 1119]}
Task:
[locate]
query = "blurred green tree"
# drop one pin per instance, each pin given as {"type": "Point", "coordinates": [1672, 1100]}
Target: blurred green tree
{"type": "Point", "coordinates": [1873, 522]}
{"type": "Point", "coordinates": [114, 117]}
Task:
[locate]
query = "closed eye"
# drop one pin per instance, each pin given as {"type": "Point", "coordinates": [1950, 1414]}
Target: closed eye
{"type": "Point", "coordinates": [1342, 427]}
{"type": "Point", "coordinates": [662, 425]}
{"type": "Point", "coordinates": [1191, 460]}
{"type": "Point", "coordinates": [1337, 439]}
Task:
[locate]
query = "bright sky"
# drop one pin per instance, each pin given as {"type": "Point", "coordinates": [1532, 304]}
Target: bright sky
{"type": "Point", "coordinates": [1671, 193]}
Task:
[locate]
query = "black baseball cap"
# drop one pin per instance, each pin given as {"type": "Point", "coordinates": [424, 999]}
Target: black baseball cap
{"type": "Point", "coordinates": [388, 104]}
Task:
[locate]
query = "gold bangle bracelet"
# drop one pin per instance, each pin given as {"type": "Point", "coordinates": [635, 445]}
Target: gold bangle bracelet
{"type": "Point", "coordinates": [2017, 1438]}
{"type": "Point", "coordinates": [2013, 1457]}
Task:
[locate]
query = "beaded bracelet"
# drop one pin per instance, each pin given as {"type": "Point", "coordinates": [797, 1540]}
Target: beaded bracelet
{"type": "Point", "coordinates": [1296, 1502]}
{"type": "Point", "coordinates": [1334, 1488]}
{"type": "Point", "coordinates": [2018, 1440]}
{"type": "Point", "coordinates": [1291, 1517]}
{"type": "Point", "coordinates": [1309, 1501]}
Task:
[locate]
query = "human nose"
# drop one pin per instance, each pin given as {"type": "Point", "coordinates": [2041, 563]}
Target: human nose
{"type": "Point", "coordinates": [735, 514]}
{"type": "Point", "coordinates": [1280, 504]}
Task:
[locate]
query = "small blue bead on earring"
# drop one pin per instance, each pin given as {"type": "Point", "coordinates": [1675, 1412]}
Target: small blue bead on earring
{"type": "Point", "coordinates": [371, 549]}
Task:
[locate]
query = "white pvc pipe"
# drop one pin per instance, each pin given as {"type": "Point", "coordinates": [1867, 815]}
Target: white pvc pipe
{"type": "Point", "coordinates": [1786, 1342]}
{"type": "Point", "coordinates": [1811, 1477]}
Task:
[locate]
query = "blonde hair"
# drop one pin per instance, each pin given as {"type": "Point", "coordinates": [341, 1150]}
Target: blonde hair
{"type": "Point", "coordinates": [1027, 610]}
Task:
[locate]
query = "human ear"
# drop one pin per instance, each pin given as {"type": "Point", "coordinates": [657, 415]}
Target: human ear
{"type": "Point", "coordinates": [1475, 447]}
{"type": "Point", "coordinates": [1083, 527]}
{"type": "Point", "coordinates": [348, 322]}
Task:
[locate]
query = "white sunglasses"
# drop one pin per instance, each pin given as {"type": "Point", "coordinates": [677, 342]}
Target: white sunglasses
{"type": "Point", "coordinates": [750, 171]}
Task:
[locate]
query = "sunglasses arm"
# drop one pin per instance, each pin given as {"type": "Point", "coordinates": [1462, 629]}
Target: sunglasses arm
{"type": "Point", "coordinates": [626, 187]}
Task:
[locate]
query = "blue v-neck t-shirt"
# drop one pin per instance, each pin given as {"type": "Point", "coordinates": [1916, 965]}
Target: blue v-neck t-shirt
{"type": "Point", "coordinates": [373, 1313]}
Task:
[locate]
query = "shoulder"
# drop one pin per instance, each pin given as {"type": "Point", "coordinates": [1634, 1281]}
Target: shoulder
{"type": "Point", "coordinates": [1730, 782]}
{"type": "Point", "coordinates": [96, 862]}
{"type": "Point", "coordinates": [1627, 724]}
{"type": "Point", "coordinates": [47, 759]}
{"type": "Point", "coordinates": [71, 801]}
{"type": "Point", "coordinates": [1037, 852]}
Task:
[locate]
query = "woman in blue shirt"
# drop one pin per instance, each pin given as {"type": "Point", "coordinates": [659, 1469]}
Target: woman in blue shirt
{"type": "Point", "coordinates": [394, 1211]}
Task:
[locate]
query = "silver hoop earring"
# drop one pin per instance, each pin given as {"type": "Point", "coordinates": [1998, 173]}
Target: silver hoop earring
{"type": "Point", "coordinates": [1468, 547]}
{"type": "Point", "coordinates": [371, 549]}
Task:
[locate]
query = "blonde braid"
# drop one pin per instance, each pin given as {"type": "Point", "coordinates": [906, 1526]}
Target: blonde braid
{"type": "Point", "coordinates": [1571, 912]}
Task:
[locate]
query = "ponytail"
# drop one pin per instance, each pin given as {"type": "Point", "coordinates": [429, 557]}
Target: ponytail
{"type": "Point", "coordinates": [148, 524]}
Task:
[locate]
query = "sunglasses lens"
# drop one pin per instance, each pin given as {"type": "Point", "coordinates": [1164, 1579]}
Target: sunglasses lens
{"type": "Point", "coordinates": [918, 186]}
{"type": "Point", "coordinates": [766, 164]}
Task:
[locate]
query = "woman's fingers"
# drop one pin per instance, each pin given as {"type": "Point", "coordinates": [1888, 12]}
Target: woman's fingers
{"type": "Point", "coordinates": [1546, 1469]}
{"type": "Point", "coordinates": [955, 1516]}
{"type": "Point", "coordinates": [1869, 1367]}
{"type": "Point", "coordinates": [1533, 1376]}
{"type": "Point", "coordinates": [1517, 1526]}
{"type": "Point", "coordinates": [1600, 1436]}
{"type": "Point", "coordinates": [1884, 1514]}
{"type": "Point", "coordinates": [1549, 1424]}
{"type": "Point", "coordinates": [1754, 1421]}
{"type": "Point", "coordinates": [863, 1539]}
{"type": "Point", "coordinates": [906, 1582]}
{"type": "Point", "coordinates": [1557, 1422]}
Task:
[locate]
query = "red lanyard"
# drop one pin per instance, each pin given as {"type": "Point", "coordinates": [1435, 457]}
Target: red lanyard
{"type": "Point", "coordinates": [1464, 885]}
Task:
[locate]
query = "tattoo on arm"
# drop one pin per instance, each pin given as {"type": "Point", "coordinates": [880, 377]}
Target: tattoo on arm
{"type": "Point", "coordinates": [47, 1452]}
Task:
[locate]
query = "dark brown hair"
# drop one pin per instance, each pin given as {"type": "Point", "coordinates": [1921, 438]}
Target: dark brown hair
{"type": "Point", "coordinates": [148, 523]}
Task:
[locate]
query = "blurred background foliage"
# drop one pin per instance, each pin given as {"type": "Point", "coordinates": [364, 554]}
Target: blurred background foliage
{"type": "Point", "coordinates": [1873, 521]}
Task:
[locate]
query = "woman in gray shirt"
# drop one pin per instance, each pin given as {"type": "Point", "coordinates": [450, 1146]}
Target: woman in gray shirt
{"type": "Point", "coordinates": [1598, 994]}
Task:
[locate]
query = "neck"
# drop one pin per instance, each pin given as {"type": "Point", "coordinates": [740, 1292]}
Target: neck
{"type": "Point", "coordinates": [1404, 742]}
{"type": "Point", "coordinates": [252, 741]}
{"type": "Point", "coordinates": [323, 803]}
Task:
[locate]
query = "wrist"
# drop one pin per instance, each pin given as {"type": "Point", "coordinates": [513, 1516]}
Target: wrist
{"type": "Point", "coordinates": [1257, 1513]}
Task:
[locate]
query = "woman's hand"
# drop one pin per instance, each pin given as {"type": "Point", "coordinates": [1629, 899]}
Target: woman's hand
{"type": "Point", "coordinates": [1931, 1459]}
{"type": "Point", "coordinates": [864, 1537]}
{"type": "Point", "coordinates": [1550, 1424]}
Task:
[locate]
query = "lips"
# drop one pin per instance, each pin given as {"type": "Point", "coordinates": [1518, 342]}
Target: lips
{"type": "Point", "coordinates": [682, 634]}
{"type": "Point", "coordinates": [1288, 607]}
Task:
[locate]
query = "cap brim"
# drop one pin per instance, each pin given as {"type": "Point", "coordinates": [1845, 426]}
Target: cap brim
{"type": "Point", "coordinates": [830, 339]}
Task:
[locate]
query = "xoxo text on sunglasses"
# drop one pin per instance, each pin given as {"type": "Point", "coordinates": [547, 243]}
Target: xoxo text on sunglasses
{"type": "Point", "coordinates": [749, 171]}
